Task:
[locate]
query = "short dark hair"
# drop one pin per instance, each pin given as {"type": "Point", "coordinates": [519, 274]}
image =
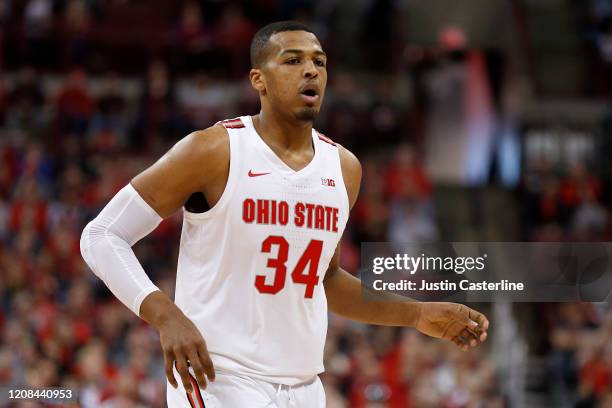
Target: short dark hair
{"type": "Point", "coordinates": [260, 40]}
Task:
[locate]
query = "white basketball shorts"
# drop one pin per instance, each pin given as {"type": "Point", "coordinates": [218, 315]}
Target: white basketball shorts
{"type": "Point", "coordinates": [236, 391]}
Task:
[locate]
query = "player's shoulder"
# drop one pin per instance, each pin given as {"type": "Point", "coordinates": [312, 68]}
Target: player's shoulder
{"type": "Point", "coordinates": [351, 173]}
{"type": "Point", "coordinates": [205, 144]}
{"type": "Point", "coordinates": [349, 162]}
{"type": "Point", "coordinates": [213, 140]}
{"type": "Point", "coordinates": [210, 137]}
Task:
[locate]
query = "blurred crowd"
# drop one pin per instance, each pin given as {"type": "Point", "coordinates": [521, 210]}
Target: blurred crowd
{"type": "Point", "coordinates": [565, 204]}
{"type": "Point", "coordinates": [579, 363]}
{"type": "Point", "coordinates": [205, 34]}
{"type": "Point", "coordinates": [76, 125]}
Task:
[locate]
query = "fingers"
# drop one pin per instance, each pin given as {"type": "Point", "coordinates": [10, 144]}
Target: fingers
{"type": "Point", "coordinates": [197, 358]}
{"type": "Point", "coordinates": [475, 321]}
{"type": "Point", "coordinates": [483, 323]}
{"type": "Point", "coordinates": [469, 338]}
{"type": "Point", "coordinates": [470, 328]}
{"type": "Point", "coordinates": [183, 370]}
{"type": "Point", "coordinates": [169, 362]}
{"type": "Point", "coordinates": [207, 363]}
{"type": "Point", "coordinates": [464, 340]}
{"type": "Point", "coordinates": [458, 342]}
{"type": "Point", "coordinates": [198, 368]}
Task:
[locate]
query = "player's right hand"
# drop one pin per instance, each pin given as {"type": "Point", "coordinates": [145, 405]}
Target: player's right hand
{"type": "Point", "coordinates": [183, 345]}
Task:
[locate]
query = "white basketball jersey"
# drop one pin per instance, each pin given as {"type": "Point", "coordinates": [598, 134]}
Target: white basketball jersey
{"type": "Point", "coordinates": [251, 269]}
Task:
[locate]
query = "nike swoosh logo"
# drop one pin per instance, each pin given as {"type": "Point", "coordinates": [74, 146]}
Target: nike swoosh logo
{"type": "Point", "coordinates": [251, 174]}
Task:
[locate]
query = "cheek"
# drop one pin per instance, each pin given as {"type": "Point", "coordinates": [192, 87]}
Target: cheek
{"type": "Point", "coordinates": [281, 88]}
{"type": "Point", "coordinates": [324, 79]}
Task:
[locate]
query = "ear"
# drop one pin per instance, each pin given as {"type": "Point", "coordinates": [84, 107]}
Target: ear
{"type": "Point", "coordinates": [257, 81]}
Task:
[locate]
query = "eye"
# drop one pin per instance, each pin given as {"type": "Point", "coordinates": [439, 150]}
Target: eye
{"type": "Point", "coordinates": [320, 62]}
{"type": "Point", "coordinates": [292, 61]}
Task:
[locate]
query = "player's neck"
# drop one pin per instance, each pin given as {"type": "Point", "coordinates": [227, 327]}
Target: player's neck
{"type": "Point", "coordinates": [277, 131]}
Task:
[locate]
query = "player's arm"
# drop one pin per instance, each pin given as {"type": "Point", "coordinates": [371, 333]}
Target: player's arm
{"type": "Point", "coordinates": [197, 163]}
{"type": "Point", "coordinates": [451, 321]}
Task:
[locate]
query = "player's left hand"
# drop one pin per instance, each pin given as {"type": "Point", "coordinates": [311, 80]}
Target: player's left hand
{"type": "Point", "coordinates": [454, 322]}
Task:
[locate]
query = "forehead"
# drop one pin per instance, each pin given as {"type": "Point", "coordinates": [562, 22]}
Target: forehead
{"type": "Point", "coordinates": [302, 40]}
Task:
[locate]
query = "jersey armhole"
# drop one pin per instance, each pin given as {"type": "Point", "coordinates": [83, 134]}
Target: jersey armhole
{"type": "Point", "coordinates": [345, 196]}
{"type": "Point", "coordinates": [229, 185]}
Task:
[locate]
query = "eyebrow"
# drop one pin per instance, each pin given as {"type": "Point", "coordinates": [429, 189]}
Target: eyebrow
{"type": "Point", "coordinates": [298, 51]}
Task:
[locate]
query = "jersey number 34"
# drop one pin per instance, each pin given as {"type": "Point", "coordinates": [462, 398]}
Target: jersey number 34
{"type": "Point", "coordinates": [310, 258]}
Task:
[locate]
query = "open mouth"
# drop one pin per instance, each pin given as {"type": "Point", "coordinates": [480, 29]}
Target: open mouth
{"type": "Point", "coordinates": [310, 95]}
{"type": "Point", "coordinates": [309, 92]}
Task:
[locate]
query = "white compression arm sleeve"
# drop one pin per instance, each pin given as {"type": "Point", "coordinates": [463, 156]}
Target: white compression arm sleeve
{"type": "Point", "coordinates": [106, 246]}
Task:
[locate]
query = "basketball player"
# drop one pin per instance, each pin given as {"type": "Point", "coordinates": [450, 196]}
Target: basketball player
{"type": "Point", "coordinates": [265, 201]}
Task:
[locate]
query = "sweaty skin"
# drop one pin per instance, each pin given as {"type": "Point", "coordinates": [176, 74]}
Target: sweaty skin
{"type": "Point", "coordinates": [294, 63]}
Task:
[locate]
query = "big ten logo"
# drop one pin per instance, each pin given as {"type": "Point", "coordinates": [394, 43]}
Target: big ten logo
{"type": "Point", "coordinates": [328, 182]}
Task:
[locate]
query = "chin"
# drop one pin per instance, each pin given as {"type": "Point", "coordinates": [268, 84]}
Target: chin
{"type": "Point", "coordinates": [307, 114]}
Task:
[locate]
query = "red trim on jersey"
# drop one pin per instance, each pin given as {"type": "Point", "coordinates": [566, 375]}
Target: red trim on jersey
{"type": "Point", "coordinates": [326, 139]}
{"type": "Point", "coordinates": [232, 123]}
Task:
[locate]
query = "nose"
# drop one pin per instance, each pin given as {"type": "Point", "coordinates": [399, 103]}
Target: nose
{"type": "Point", "coordinates": [310, 70]}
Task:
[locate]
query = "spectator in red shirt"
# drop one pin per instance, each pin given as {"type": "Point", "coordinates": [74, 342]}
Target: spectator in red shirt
{"type": "Point", "coordinates": [405, 177]}
{"type": "Point", "coordinates": [578, 180]}
{"type": "Point", "coordinates": [74, 104]}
